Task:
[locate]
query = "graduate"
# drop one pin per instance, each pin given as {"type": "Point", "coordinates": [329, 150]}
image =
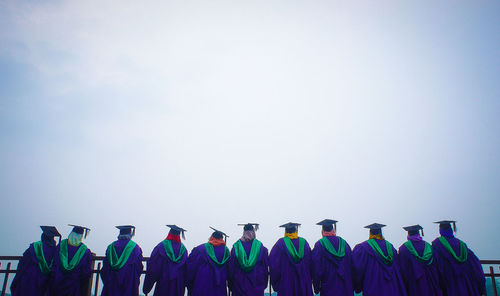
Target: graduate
{"type": "Point", "coordinates": [122, 265]}
{"type": "Point", "coordinates": [167, 265]}
{"type": "Point", "coordinates": [376, 271]}
{"type": "Point", "coordinates": [248, 264]}
{"type": "Point", "coordinates": [417, 265]}
{"type": "Point", "coordinates": [72, 266]}
{"type": "Point", "coordinates": [332, 262]}
{"type": "Point", "coordinates": [459, 269]}
{"type": "Point", "coordinates": [208, 267]}
{"type": "Point", "coordinates": [290, 264]}
{"type": "Point", "coordinates": [35, 267]}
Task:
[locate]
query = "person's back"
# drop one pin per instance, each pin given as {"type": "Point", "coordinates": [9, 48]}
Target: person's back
{"type": "Point", "coordinates": [35, 267]}
{"type": "Point", "coordinates": [290, 264]}
{"type": "Point", "coordinates": [207, 267]}
{"type": "Point", "coordinates": [249, 264]}
{"type": "Point", "coordinates": [417, 265]}
{"type": "Point", "coordinates": [332, 263]}
{"type": "Point", "coordinates": [167, 266]}
{"type": "Point", "coordinates": [122, 265]}
{"type": "Point", "coordinates": [376, 271]}
{"type": "Point", "coordinates": [459, 269]}
{"type": "Point", "coordinates": [72, 266]}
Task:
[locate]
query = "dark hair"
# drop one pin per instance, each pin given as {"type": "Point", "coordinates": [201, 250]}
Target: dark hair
{"type": "Point", "coordinates": [49, 240]}
{"type": "Point", "coordinates": [248, 227]}
{"type": "Point", "coordinates": [217, 235]}
{"type": "Point", "coordinates": [413, 232]}
{"type": "Point", "coordinates": [445, 226]}
{"type": "Point", "coordinates": [174, 232]}
{"type": "Point", "coordinates": [125, 231]}
{"type": "Point", "coordinates": [327, 227]}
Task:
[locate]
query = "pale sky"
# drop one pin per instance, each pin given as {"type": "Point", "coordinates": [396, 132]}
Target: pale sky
{"type": "Point", "coordinates": [201, 113]}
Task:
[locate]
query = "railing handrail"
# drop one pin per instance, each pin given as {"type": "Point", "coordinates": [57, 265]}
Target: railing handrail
{"type": "Point", "coordinates": [95, 257]}
{"type": "Point", "coordinates": [11, 257]}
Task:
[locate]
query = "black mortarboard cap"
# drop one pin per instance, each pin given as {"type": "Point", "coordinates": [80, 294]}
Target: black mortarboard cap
{"type": "Point", "coordinates": [290, 227]}
{"type": "Point", "coordinates": [414, 229]}
{"type": "Point", "coordinates": [328, 224]}
{"type": "Point", "coordinates": [80, 229]}
{"type": "Point", "coordinates": [51, 231]}
{"type": "Point", "coordinates": [177, 229]}
{"type": "Point", "coordinates": [219, 234]}
{"type": "Point", "coordinates": [447, 224]}
{"type": "Point", "coordinates": [375, 228]}
{"type": "Point", "coordinates": [250, 226]}
{"type": "Point", "coordinates": [126, 229]}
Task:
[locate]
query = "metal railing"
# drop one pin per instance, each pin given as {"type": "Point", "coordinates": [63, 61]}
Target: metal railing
{"type": "Point", "coordinates": [94, 281]}
{"type": "Point", "coordinates": [7, 271]}
{"type": "Point", "coordinates": [490, 273]}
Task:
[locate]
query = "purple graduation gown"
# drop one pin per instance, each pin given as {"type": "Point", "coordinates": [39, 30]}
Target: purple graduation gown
{"type": "Point", "coordinates": [419, 278]}
{"type": "Point", "coordinates": [332, 276]}
{"type": "Point", "coordinates": [205, 278]}
{"type": "Point", "coordinates": [372, 275]}
{"type": "Point", "coordinates": [29, 279]}
{"type": "Point", "coordinates": [170, 277]}
{"type": "Point", "coordinates": [75, 282]}
{"type": "Point", "coordinates": [123, 282]}
{"type": "Point", "coordinates": [287, 277]}
{"type": "Point", "coordinates": [458, 279]}
{"type": "Point", "coordinates": [251, 283]}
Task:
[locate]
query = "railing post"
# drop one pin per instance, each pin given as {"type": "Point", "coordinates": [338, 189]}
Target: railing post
{"type": "Point", "coordinates": [270, 285]}
{"type": "Point", "coordinates": [89, 287]}
{"type": "Point", "coordinates": [97, 278]}
{"type": "Point", "coordinates": [6, 279]}
{"type": "Point", "coordinates": [493, 281]}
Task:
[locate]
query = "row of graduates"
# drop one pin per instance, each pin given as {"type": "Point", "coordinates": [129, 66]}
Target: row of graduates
{"type": "Point", "coordinates": [374, 267]}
